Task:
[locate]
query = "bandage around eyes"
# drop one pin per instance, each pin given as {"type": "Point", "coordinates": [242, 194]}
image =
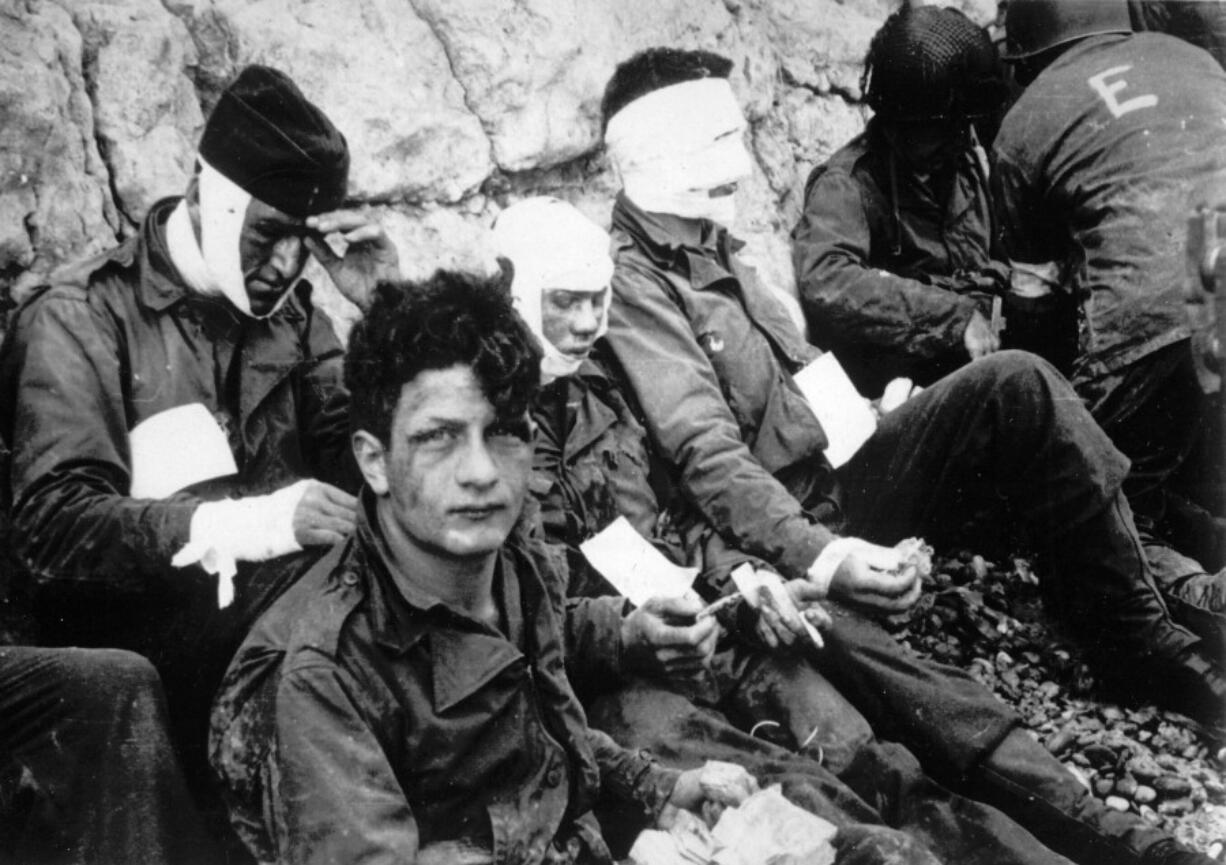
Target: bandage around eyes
{"type": "Point", "coordinates": [674, 145]}
{"type": "Point", "coordinates": [552, 246]}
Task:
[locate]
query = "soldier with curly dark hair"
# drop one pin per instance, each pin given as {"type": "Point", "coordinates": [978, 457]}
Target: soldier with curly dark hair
{"type": "Point", "coordinates": [406, 700]}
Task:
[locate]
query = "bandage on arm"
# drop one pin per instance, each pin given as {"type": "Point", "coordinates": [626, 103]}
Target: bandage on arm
{"type": "Point", "coordinates": [251, 529]}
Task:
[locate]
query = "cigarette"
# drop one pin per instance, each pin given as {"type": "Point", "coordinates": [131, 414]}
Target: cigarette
{"type": "Point", "coordinates": [718, 606]}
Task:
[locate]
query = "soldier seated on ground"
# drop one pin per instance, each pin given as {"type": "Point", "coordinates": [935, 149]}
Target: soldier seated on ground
{"type": "Point", "coordinates": [174, 407]}
{"type": "Point", "coordinates": [406, 700]}
{"type": "Point", "coordinates": [593, 464]}
{"type": "Point", "coordinates": [710, 356]}
{"type": "Point", "coordinates": [895, 259]}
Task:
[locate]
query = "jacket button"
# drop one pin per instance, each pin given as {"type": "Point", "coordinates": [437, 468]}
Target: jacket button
{"type": "Point", "coordinates": [349, 578]}
{"type": "Point", "coordinates": [554, 776]}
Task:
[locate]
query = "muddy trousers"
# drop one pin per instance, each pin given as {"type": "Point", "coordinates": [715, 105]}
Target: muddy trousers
{"type": "Point", "coordinates": [1007, 437]}
{"type": "Point", "coordinates": [87, 772]}
{"type": "Point", "coordinates": [878, 784]}
{"type": "Point", "coordinates": [973, 743]}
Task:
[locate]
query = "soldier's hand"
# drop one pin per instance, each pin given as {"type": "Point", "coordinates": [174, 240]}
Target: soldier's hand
{"type": "Point", "coordinates": [663, 638]}
{"type": "Point", "coordinates": [978, 337]}
{"type": "Point", "coordinates": [871, 577]}
{"type": "Point", "coordinates": [325, 515]}
{"type": "Point", "coordinates": [369, 255]}
{"type": "Point", "coordinates": [783, 609]}
{"type": "Point", "coordinates": [712, 788]}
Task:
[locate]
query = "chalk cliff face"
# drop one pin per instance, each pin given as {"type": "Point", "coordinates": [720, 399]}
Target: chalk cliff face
{"type": "Point", "coordinates": [452, 108]}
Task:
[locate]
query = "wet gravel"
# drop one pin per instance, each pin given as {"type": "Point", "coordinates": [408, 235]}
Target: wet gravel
{"type": "Point", "coordinates": [987, 617]}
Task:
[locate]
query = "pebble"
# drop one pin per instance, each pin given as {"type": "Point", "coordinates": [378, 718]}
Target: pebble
{"type": "Point", "coordinates": [983, 617]}
{"type": "Point", "coordinates": [1172, 786]}
{"type": "Point", "coordinates": [1177, 807]}
{"type": "Point", "coordinates": [1100, 755]}
{"type": "Point", "coordinates": [1145, 769]}
{"type": "Point", "coordinates": [1215, 792]}
{"type": "Point", "coordinates": [1127, 787]}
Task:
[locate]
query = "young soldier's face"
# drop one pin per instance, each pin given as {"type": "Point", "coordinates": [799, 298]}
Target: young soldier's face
{"type": "Point", "coordinates": [452, 479]}
{"type": "Point", "coordinates": [571, 319]}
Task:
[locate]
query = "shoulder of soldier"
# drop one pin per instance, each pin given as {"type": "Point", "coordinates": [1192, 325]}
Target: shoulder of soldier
{"type": "Point", "coordinates": [854, 162]}
{"type": "Point", "coordinates": [308, 620]}
{"type": "Point", "coordinates": [85, 279]}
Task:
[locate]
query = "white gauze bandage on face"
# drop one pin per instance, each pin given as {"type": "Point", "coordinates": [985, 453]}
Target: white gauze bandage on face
{"type": "Point", "coordinates": [223, 209]}
{"type": "Point", "coordinates": [553, 246]}
{"type": "Point", "coordinates": [674, 145]}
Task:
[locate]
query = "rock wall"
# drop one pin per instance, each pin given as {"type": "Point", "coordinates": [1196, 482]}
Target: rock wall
{"type": "Point", "coordinates": [452, 108]}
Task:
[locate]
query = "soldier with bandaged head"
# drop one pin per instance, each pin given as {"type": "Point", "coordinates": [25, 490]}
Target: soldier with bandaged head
{"type": "Point", "coordinates": [175, 409]}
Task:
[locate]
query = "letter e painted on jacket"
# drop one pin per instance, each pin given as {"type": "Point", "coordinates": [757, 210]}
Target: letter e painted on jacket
{"type": "Point", "coordinates": [1108, 90]}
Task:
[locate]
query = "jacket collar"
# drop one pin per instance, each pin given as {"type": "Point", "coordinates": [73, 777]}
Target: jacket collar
{"type": "Point", "coordinates": [160, 286]}
{"type": "Point", "coordinates": [698, 249]}
{"type": "Point", "coordinates": [464, 654]}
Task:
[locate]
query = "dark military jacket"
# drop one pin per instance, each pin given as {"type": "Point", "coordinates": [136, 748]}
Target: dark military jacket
{"type": "Point", "coordinates": [363, 719]}
{"type": "Point", "coordinates": [884, 261]}
{"type": "Point", "coordinates": [120, 339]}
{"type": "Point", "coordinates": [709, 354]}
{"type": "Point", "coordinates": [1097, 167]}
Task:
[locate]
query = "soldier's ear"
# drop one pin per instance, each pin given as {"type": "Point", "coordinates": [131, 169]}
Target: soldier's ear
{"type": "Point", "coordinates": [371, 456]}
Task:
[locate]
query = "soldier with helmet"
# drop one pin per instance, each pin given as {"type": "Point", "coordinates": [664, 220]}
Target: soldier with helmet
{"type": "Point", "coordinates": [1095, 165]}
{"type": "Point", "coordinates": [893, 254]}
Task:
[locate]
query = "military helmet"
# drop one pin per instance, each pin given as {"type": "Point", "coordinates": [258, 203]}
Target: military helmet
{"type": "Point", "coordinates": [927, 62]}
{"type": "Point", "coordinates": [1035, 26]}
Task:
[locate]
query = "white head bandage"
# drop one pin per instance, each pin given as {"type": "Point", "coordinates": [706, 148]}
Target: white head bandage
{"type": "Point", "coordinates": [553, 246]}
{"type": "Point", "coordinates": [214, 265]}
{"type": "Point", "coordinates": [674, 145]}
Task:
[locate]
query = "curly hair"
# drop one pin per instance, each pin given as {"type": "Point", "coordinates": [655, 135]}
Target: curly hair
{"type": "Point", "coordinates": [447, 320]}
{"type": "Point", "coordinates": [655, 68]}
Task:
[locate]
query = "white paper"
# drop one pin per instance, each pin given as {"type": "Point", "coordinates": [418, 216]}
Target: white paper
{"type": "Point", "coordinates": [845, 416]}
{"type": "Point", "coordinates": [749, 582]}
{"type": "Point", "coordinates": [767, 826]}
{"type": "Point", "coordinates": [176, 448]}
{"type": "Point", "coordinates": [635, 568]}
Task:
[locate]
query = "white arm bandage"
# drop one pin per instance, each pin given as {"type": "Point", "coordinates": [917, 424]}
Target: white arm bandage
{"type": "Point", "coordinates": [251, 529]}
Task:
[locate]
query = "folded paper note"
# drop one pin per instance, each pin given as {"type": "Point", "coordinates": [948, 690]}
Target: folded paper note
{"type": "Point", "coordinates": [635, 568]}
{"type": "Point", "coordinates": [750, 581]}
{"type": "Point", "coordinates": [176, 448]}
{"type": "Point", "coordinates": [845, 416]}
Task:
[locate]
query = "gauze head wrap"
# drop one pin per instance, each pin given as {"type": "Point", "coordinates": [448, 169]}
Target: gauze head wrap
{"type": "Point", "coordinates": [552, 245]}
{"type": "Point", "coordinates": [673, 145]}
{"type": "Point", "coordinates": [263, 140]}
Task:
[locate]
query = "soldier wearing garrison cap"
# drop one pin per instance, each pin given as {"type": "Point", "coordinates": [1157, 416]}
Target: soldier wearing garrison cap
{"type": "Point", "coordinates": [175, 407]}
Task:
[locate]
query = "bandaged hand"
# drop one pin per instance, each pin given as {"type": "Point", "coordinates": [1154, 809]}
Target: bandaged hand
{"type": "Point", "coordinates": [867, 575]}
{"type": "Point", "coordinates": [258, 528]}
{"type": "Point", "coordinates": [717, 785]}
{"type": "Point", "coordinates": [368, 257]}
{"type": "Point", "coordinates": [897, 392]}
{"type": "Point", "coordinates": [782, 610]}
{"type": "Point", "coordinates": [662, 639]}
